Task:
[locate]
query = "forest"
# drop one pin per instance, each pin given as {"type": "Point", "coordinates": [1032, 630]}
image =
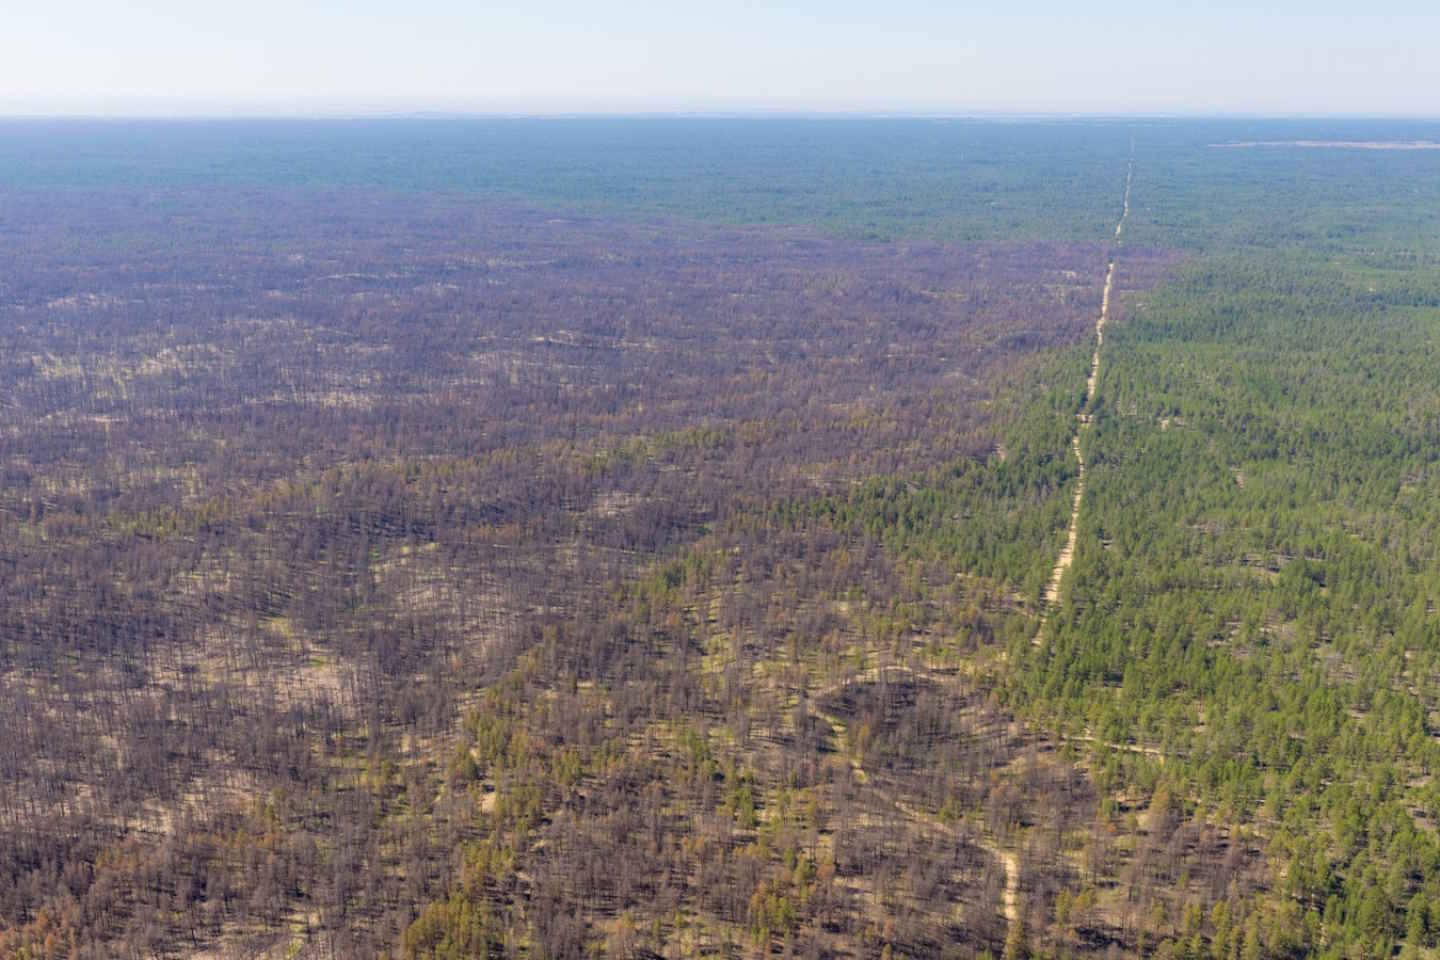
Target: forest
{"type": "Point", "coordinates": [631, 539]}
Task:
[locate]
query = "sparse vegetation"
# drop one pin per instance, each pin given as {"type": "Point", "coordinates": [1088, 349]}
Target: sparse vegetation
{"type": "Point", "coordinates": [631, 558]}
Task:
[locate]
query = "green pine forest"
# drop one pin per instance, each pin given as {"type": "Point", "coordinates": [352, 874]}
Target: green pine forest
{"type": "Point", "coordinates": [700, 611]}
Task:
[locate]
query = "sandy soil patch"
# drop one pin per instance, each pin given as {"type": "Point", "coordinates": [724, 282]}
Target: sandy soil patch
{"type": "Point", "coordinates": [1332, 144]}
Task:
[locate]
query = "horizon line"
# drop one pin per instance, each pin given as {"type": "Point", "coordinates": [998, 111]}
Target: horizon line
{"type": "Point", "coordinates": [420, 114]}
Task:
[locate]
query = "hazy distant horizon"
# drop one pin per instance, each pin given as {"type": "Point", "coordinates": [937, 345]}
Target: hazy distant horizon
{"type": "Point", "coordinates": [217, 109]}
{"type": "Point", "coordinates": [1321, 58]}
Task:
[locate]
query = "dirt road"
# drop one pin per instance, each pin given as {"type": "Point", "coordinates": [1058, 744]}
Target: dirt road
{"type": "Point", "coordinates": [1009, 859]}
{"type": "Point", "coordinates": [1082, 419]}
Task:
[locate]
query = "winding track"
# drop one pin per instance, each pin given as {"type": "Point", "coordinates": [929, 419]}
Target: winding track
{"type": "Point", "coordinates": [1009, 859]}
{"type": "Point", "coordinates": [1011, 902]}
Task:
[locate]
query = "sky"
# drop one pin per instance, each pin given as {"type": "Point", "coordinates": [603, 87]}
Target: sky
{"type": "Point", "coordinates": [289, 57]}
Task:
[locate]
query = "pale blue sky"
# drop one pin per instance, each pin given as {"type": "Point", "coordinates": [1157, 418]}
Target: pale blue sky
{"type": "Point", "coordinates": [326, 56]}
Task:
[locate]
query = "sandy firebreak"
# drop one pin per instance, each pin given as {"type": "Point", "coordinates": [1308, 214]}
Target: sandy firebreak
{"type": "Point", "coordinates": [1082, 419]}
